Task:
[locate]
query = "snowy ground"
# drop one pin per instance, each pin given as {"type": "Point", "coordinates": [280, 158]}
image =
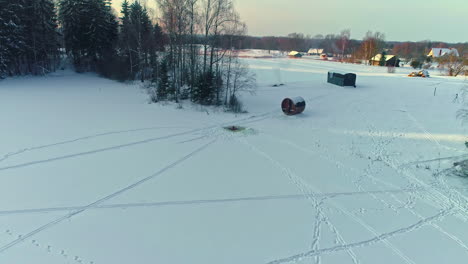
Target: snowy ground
{"type": "Point", "coordinates": [256, 53]}
{"type": "Point", "coordinates": [91, 173]}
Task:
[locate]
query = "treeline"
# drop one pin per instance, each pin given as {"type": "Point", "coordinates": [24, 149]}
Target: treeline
{"type": "Point", "coordinates": [371, 42]}
{"type": "Point", "coordinates": [29, 39]}
{"type": "Point", "coordinates": [188, 53]}
{"type": "Point", "coordinates": [343, 48]}
{"type": "Point", "coordinates": [419, 50]}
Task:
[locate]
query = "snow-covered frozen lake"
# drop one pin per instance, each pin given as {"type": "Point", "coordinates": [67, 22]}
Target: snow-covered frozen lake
{"type": "Point", "coordinates": [91, 173]}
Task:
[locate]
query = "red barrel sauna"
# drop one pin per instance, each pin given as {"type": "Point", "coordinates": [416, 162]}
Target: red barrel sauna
{"type": "Point", "coordinates": [293, 106]}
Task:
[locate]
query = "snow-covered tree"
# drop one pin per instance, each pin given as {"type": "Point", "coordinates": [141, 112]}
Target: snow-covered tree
{"type": "Point", "coordinates": [90, 31]}
{"type": "Point", "coordinates": [41, 36]}
{"type": "Point", "coordinates": [137, 43]}
{"type": "Point", "coordinates": [28, 37]}
{"type": "Point", "coordinates": [163, 81]}
{"type": "Point", "coordinates": [12, 36]}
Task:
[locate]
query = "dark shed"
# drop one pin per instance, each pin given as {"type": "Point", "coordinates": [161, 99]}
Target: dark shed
{"type": "Point", "coordinates": [348, 79]}
{"type": "Point", "coordinates": [293, 106]}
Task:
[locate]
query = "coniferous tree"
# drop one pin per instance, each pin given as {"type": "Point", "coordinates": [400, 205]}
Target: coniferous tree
{"type": "Point", "coordinates": [90, 31]}
{"type": "Point", "coordinates": [12, 36]}
{"type": "Point", "coordinates": [41, 36]}
{"type": "Point", "coordinates": [124, 38]}
{"type": "Point", "coordinates": [141, 36]}
{"type": "Point", "coordinates": [158, 37]}
{"type": "Point", "coordinates": [383, 59]}
{"type": "Point", "coordinates": [163, 81]}
{"type": "Point", "coordinates": [137, 45]}
{"type": "Point", "coordinates": [204, 92]}
{"type": "Point", "coordinates": [28, 37]}
{"type": "Point", "coordinates": [106, 29]}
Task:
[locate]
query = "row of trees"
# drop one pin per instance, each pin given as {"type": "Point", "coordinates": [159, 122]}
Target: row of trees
{"type": "Point", "coordinates": [200, 62]}
{"type": "Point", "coordinates": [331, 43]}
{"type": "Point", "coordinates": [342, 44]}
{"type": "Point", "coordinates": [188, 53]}
{"type": "Point", "coordinates": [29, 40]}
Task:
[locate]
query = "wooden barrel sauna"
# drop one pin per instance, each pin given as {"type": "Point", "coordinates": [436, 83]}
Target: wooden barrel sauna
{"type": "Point", "coordinates": [293, 106]}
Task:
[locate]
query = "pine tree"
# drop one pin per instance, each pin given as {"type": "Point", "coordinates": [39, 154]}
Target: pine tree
{"type": "Point", "coordinates": [136, 43]}
{"type": "Point", "coordinates": [124, 38]}
{"type": "Point", "coordinates": [125, 11]}
{"type": "Point", "coordinates": [383, 59]}
{"type": "Point", "coordinates": [204, 91]}
{"type": "Point", "coordinates": [159, 38]}
{"type": "Point", "coordinates": [41, 36]}
{"type": "Point", "coordinates": [12, 37]}
{"type": "Point", "coordinates": [90, 30]}
{"type": "Point", "coordinates": [106, 29]}
{"type": "Point", "coordinates": [28, 37]}
{"type": "Point", "coordinates": [163, 81]}
{"type": "Point", "coordinates": [140, 37]}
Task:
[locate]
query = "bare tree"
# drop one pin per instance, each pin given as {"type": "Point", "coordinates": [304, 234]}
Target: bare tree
{"type": "Point", "coordinates": [216, 17]}
{"type": "Point", "coordinates": [193, 22]}
{"type": "Point", "coordinates": [371, 45]}
{"type": "Point", "coordinates": [453, 64]}
{"type": "Point", "coordinates": [462, 114]}
{"type": "Point", "coordinates": [175, 17]}
{"type": "Point", "coordinates": [343, 41]}
{"type": "Point", "coordinates": [213, 75]}
{"type": "Point", "coordinates": [234, 33]}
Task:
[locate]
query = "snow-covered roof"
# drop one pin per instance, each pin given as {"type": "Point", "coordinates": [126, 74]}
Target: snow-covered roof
{"type": "Point", "coordinates": [378, 57]}
{"type": "Point", "coordinates": [293, 53]}
{"type": "Point", "coordinates": [297, 99]}
{"type": "Point", "coordinates": [439, 52]}
{"type": "Point", "coordinates": [315, 51]}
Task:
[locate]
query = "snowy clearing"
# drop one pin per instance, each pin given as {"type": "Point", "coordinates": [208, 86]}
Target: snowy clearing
{"type": "Point", "coordinates": [92, 173]}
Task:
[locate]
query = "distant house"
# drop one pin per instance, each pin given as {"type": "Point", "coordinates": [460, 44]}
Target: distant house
{"type": "Point", "coordinates": [315, 51]}
{"type": "Point", "coordinates": [390, 60]}
{"type": "Point", "coordinates": [295, 54]}
{"type": "Point", "coordinates": [439, 52]}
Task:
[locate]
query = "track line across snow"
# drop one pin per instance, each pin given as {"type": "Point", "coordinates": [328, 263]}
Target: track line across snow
{"type": "Point", "coordinates": [352, 216]}
{"type": "Point", "coordinates": [305, 188]}
{"type": "Point", "coordinates": [214, 201]}
{"type": "Point", "coordinates": [104, 199]}
{"type": "Point", "coordinates": [438, 217]}
{"type": "Point", "coordinates": [131, 144]}
{"type": "Point", "coordinates": [22, 151]}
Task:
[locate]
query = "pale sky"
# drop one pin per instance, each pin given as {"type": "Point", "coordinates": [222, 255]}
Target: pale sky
{"type": "Point", "coordinates": [399, 20]}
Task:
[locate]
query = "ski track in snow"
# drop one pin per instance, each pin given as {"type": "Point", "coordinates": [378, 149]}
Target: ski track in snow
{"type": "Point", "coordinates": [192, 139]}
{"type": "Point", "coordinates": [305, 189]}
{"type": "Point", "coordinates": [213, 201]}
{"type": "Point", "coordinates": [458, 195]}
{"type": "Point", "coordinates": [379, 148]}
{"type": "Point", "coordinates": [429, 136]}
{"type": "Point", "coordinates": [248, 120]}
{"type": "Point", "coordinates": [438, 217]}
{"type": "Point", "coordinates": [436, 194]}
{"type": "Point", "coordinates": [131, 144]}
{"type": "Point", "coordinates": [9, 155]}
{"type": "Point", "coordinates": [387, 160]}
{"type": "Point", "coordinates": [367, 173]}
{"type": "Point", "coordinates": [405, 205]}
{"type": "Point", "coordinates": [104, 199]}
{"type": "Point", "coordinates": [319, 218]}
